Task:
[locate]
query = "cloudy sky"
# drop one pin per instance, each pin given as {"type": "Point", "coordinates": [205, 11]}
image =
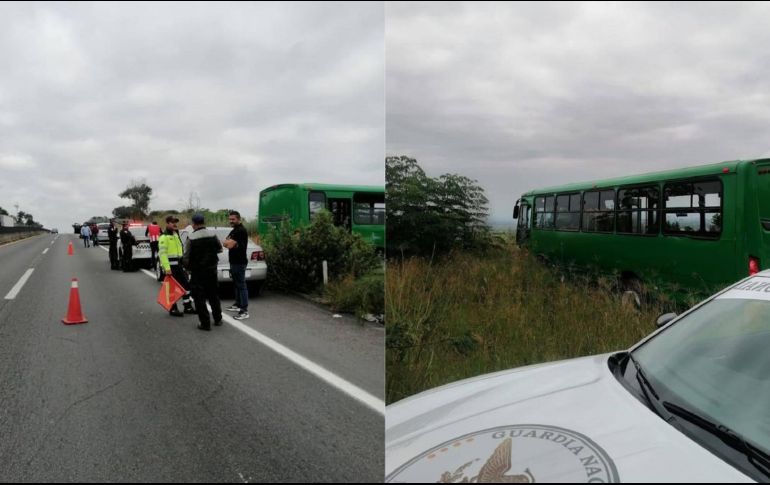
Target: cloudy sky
{"type": "Point", "coordinates": [521, 96]}
{"type": "Point", "coordinates": [219, 99]}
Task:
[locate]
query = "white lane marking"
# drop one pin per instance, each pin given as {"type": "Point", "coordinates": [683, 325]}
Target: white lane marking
{"type": "Point", "coordinates": [105, 248]}
{"type": "Point", "coordinates": [329, 377]}
{"type": "Point", "coordinates": [45, 250]}
{"type": "Point", "coordinates": [19, 285]}
{"type": "Point", "coordinates": [148, 273]}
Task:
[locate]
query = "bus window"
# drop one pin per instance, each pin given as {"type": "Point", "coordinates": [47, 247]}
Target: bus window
{"type": "Point", "coordinates": [599, 211]}
{"type": "Point", "coordinates": [317, 201]}
{"type": "Point", "coordinates": [693, 209]}
{"type": "Point", "coordinates": [369, 209]}
{"type": "Point", "coordinates": [638, 210]}
{"type": "Point", "coordinates": [544, 212]}
{"type": "Point", "coordinates": [568, 212]}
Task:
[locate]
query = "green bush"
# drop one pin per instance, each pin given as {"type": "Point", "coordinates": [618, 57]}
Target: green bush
{"type": "Point", "coordinates": [365, 295]}
{"type": "Point", "coordinates": [295, 256]}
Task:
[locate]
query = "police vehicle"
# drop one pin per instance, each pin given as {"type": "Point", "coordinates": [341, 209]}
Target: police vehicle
{"type": "Point", "coordinates": [689, 403]}
{"type": "Point", "coordinates": [141, 255]}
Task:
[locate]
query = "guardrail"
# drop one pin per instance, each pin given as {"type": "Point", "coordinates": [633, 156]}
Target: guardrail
{"type": "Point", "coordinates": [19, 229]}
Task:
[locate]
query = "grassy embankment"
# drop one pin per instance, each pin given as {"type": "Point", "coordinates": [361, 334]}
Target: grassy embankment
{"type": "Point", "coordinates": [469, 315]}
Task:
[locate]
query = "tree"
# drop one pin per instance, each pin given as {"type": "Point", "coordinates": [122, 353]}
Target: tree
{"type": "Point", "coordinates": [3, 212]}
{"type": "Point", "coordinates": [123, 212]}
{"type": "Point", "coordinates": [427, 216]}
{"type": "Point", "coordinates": [140, 193]}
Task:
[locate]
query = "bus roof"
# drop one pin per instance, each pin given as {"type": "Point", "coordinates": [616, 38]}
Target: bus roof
{"type": "Point", "coordinates": [375, 189]}
{"type": "Point", "coordinates": [699, 171]}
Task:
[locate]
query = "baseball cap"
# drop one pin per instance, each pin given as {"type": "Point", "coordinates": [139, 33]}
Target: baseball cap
{"type": "Point", "coordinates": [171, 219]}
{"type": "Point", "coordinates": [197, 219]}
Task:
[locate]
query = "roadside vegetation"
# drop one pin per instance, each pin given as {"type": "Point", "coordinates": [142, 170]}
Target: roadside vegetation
{"type": "Point", "coordinates": [471, 314]}
{"type": "Point", "coordinates": [462, 301]}
{"type": "Point", "coordinates": [295, 263]}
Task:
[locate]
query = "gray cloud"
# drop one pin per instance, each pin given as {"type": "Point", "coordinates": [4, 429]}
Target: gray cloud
{"type": "Point", "coordinates": [525, 95]}
{"type": "Point", "coordinates": [223, 99]}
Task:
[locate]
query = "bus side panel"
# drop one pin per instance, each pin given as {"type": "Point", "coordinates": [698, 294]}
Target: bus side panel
{"type": "Point", "coordinates": [701, 264]}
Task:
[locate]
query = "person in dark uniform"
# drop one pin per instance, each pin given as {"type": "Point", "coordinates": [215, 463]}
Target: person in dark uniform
{"type": "Point", "coordinates": [201, 256]}
{"type": "Point", "coordinates": [112, 236]}
{"type": "Point", "coordinates": [127, 241]}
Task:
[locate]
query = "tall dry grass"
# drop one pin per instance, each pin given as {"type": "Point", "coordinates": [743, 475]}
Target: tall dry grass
{"type": "Point", "coordinates": [469, 315]}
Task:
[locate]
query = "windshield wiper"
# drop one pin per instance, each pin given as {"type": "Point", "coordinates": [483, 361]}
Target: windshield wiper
{"type": "Point", "coordinates": [649, 392]}
{"type": "Point", "coordinates": [757, 457]}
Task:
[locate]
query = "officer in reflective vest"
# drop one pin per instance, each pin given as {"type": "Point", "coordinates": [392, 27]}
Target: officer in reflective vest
{"type": "Point", "coordinates": [170, 253]}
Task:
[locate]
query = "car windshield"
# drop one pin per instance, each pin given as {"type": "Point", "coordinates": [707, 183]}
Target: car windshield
{"type": "Point", "coordinates": [715, 361]}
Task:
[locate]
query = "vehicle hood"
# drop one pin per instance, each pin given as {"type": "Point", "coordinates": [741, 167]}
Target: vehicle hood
{"type": "Point", "coordinates": [563, 421]}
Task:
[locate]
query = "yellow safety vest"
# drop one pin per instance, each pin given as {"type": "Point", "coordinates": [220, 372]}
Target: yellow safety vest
{"type": "Point", "coordinates": [170, 250]}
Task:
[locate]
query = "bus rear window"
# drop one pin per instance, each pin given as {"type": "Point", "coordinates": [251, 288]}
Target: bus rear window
{"type": "Point", "coordinates": [693, 209]}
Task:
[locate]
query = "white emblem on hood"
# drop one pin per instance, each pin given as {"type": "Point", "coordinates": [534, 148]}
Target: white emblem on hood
{"type": "Point", "coordinates": [512, 454]}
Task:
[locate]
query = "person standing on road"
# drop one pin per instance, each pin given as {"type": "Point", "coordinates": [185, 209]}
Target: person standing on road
{"type": "Point", "coordinates": [201, 256]}
{"type": "Point", "coordinates": [85, 233]}
{"type": "Point", "coordinates": [112, 236]}
{"type": "Point", "coordinates": [153, 232]}
{"type": "Point", "coordinates": [170, 253]}
{"type": "Point", "coordinates": [237, 242]}
{"type": "Point", "coordinates": [94, 233]}
{"type": "Point", "coordinates": [127, 243]}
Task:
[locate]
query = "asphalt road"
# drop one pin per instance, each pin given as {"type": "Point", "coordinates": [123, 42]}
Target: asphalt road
{"type": "Point", "coordinates": [137, 395]}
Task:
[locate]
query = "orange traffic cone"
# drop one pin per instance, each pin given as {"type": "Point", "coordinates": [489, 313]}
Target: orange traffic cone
{"type": "Point", "coordinates": [74, 313]}
{"type": "Point", "coordinates": [70, 251]}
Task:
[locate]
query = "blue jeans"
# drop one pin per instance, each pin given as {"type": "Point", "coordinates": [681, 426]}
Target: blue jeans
{"type": "Point", "coordinates": [238, 274]}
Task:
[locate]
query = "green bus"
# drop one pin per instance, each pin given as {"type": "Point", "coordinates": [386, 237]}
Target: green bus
{"type": "Point", "coordinates": [697, 227]}
{"type": "Point", "coordinates": [358, 208]}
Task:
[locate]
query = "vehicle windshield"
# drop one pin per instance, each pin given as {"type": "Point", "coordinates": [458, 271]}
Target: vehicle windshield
{"type": "Point", "coordinates": [716, 363]}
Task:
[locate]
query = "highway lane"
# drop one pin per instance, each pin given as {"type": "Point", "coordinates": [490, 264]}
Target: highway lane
{"type": "Point", "coordinates": [136, 395]}
{"type": "Point", "coordinates": [18, 257]}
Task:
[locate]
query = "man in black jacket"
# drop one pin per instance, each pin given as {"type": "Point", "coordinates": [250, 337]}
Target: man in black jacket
{"type": "Point", "coordinates": [201, 256]}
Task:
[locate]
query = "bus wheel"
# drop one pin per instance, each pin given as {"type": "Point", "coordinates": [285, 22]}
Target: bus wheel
{"type": "Point", "coordinates": [632, 291]}
{"type": "Point", "coordinates": [631, 297]}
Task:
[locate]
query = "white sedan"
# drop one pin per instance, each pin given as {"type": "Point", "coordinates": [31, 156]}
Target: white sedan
{"type": "Point", "coordinates": [687, 404]}
{"type": "Point", "coordinates": [256, 269]}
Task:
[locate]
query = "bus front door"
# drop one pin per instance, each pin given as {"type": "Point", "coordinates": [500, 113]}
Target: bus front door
{"type": "Point", "coordinates": [524, 227]}
{"type": "Point", "coordinates": [341, 210]}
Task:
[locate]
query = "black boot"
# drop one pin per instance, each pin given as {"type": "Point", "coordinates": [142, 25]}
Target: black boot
{"type": "Point", "coordinates": [188, 308]}
{"type": "Point", "coordinates": [174, 312]}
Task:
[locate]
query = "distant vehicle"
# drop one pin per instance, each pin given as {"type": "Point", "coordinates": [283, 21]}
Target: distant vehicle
{"type": "Point", "coordinates": [692, 226]}
{"type": "Point", "coordinates": [102, 236]}
{"type": "Point", "coordinates": [7, 221]}
{"type": "Point", "coordinates": [686, 404]}
{"type": "Point", "coordinates": [256, 269]}
{"type": "Point", "coordinates": [141, 256]}
{"type": "Point", "coordinates": [54, 231]}
{"type": "Point", "coordinates": [358, 208]}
